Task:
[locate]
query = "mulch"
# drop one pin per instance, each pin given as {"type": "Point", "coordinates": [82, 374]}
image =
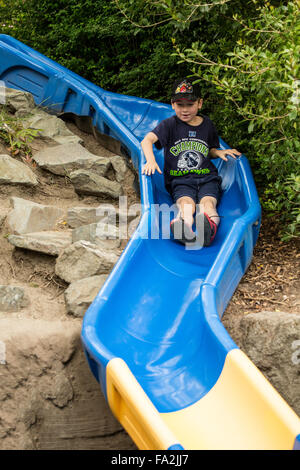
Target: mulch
{"type": "Point", "coordinates": [272, 280]}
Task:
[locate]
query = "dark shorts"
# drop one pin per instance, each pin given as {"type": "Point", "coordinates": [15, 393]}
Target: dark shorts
{"type": "Point", "coordinates": [196, 188]}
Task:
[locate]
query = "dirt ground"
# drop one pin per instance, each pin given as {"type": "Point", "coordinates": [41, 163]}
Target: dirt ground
{"type": "Point", "coordinates": [272, 281]}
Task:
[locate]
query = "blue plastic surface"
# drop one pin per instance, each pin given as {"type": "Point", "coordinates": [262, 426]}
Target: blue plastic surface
{"type": "Point", "coordinates": [161, 307]}
{"type": "Point", "coordinates": [297, 443]}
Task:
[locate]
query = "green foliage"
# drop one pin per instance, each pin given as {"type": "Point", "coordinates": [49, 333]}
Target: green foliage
{"type": "Point", "coordinates": [287, 203]}
{"type": "Point", "coordinates": [15, 135]}
{"type": "Point", "coordinates": [93, 39]}
{"type": "Point", "coordinates": [244, 53]}
{"type": "Point", "coordinates": [259, 90]}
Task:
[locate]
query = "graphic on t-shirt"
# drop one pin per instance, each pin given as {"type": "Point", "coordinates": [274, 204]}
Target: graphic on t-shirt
{"type": "Point", "coordinates": [193, 145]}
{"type": "Point", "coordinates": [189, 160]}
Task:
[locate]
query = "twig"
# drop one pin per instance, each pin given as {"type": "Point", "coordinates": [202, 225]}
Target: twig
{"type": "Point", "coordinates": [12, 269]}
{"type": "Point", "coordinates": [253, 30]}
{"type": "Point", "coordinates": [57, 295]}
{"type": "Point", "coordinates": [137, 24]}
{"type": "Point", "coordinates": [274, 141]}
{"type": "Point", "coordinates": [195, 8]}
{"type": "Point", "coordinates": [263, 299]}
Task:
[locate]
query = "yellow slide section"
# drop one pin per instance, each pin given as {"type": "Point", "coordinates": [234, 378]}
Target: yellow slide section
{"type": "Point", "coordinates": [134, 410]}
{"type": "Point", "coordinates": [242, 411]}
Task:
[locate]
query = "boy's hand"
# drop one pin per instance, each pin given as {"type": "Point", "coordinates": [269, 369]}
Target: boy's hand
{"type": "Point", "coordinates": [150, 168]}
{"type": "Point", "coordinates": [222, 153]}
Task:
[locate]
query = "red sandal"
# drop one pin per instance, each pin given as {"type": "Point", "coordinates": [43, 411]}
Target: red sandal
{"type": "Point", "coordinates": [210, 230]}
{"type": "Point", "coordinates": [182, 232]}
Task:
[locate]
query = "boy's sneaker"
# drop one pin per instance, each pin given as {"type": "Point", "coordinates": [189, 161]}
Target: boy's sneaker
{"type": "Point", "coordinates": [182, 232]}
{"type": "Point", "coordinates": [210, 230]}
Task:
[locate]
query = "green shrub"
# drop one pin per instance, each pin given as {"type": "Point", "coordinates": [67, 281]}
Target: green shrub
{"type": "Point", "coordinates": [259, 100]}
{"type": "Point", "coordinates": [90, 38]}
{"type": "Point", "coordinates": [244, 53]}
{"type": "Point", "coordinates": [15, 135]}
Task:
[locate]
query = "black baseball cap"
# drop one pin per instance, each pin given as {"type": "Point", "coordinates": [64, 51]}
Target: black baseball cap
{"type": "Point", "coordinates": [183, 89]}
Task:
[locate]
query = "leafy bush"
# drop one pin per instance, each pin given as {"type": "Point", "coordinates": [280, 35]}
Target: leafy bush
{"type": "Point", "coordinates": [287, 203]}
{"type": "Point", "coordinates": [90, 38]}
{"type": "Point", "coordinates": [258, 83]}
{"type": "Point", "coordinates": [244, 53]}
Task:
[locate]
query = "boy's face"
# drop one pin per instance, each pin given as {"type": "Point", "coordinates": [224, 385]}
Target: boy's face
{"type": "Point", "coordinates": [187, 110]}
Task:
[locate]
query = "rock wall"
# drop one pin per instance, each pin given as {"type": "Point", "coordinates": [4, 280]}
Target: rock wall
{"type": "Point", "coordinates": [272, 341]}
{"type": "Point", "coordinates": [54, 259]}
{"type": "Point", "coordinates": [49, 399]}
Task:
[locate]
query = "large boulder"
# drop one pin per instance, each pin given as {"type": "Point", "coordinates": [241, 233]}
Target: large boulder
{"type": "Point", "coordinates": [65, 158]}
{"type": "Point", "coordinates": [88, 182]}
{"type": "Point", "coordinates": [49, 398]}
{"type": "Point", "coordinates": [120, 167]}
{"type": "Point", "coordinates": [28, 216]}
{"type": "Point", "coordinates": [80, 294]}
{"type": "Point", "coordinates": [83, 259]}
{"type": "Point", "coordinates": [272, 341]}
{"type": "Point", "coordinates": [48, 242]}
{"type": "Point", "coordinates": [13, 171]}
{"type": "Point", "coordinates": [50, 127]}
{"type": "Point", "coordinates": [17, 102]}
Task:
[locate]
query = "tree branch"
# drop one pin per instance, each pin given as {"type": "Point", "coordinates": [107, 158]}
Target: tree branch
{"type": "Point", "coordinates": [137, 24]}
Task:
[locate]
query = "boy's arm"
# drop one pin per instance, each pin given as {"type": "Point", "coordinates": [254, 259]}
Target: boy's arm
{"type": "Point", "coordinates": [147, 146]}
{"type": "Point", "coordinates": [216, 153]}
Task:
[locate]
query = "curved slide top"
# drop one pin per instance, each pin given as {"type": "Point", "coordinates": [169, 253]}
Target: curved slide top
{"type": "Point", "coordinates": [153, 336]}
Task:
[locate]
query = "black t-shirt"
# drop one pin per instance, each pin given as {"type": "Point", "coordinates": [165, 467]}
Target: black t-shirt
{"type": "Point", "coordinates": [186, 149]}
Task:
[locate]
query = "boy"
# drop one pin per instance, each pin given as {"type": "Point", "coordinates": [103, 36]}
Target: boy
{"type": "Point", "coordinates": [189, 141]}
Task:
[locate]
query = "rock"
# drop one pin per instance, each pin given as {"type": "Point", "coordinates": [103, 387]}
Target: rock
{"type": "Point", "coordinates": [65, 158]}
{"type": "Point", "coordinates": [28, 216]}
{"type": "Point", "coordinates": [59, 390]}
{"type": "Point", "coordinates": [272, 342]}
{"type": "Point", "coordinates": [88, 182]}
{"type": "Point", "coordinates": [120, 166]}
{"type": "Point", "coordinates": [83, 259]}
{"type": "Point", "coordinates": [51, 127]}
{"type": "Point", "coordinates": [13, 171]}
{"type": "Point", "coordinates": [12, 298]}
{"type": "Point", "coordinates": [50, 242]}
{"type": "Point", "coordinates": [133, 225]}
{"type": "Point", "coordinates": [17, 102]}
{"type": "Point", "coordinates": [49, 398]}
{"type": "Point", "coordinates": [78, 216]}
{"type": "Point", "coordinates": [80, 294]}
{"type": "Point", "coordinates": [101, 234]}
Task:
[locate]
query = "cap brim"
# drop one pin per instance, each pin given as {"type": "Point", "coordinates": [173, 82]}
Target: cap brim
{"type": "Point", "coordinates": [182, 97]}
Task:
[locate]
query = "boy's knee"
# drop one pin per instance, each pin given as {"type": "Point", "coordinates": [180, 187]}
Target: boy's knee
{"type": "Point", "coordinates": [186, 202]}
{"type": "Point", "coordinates": [208, 201]}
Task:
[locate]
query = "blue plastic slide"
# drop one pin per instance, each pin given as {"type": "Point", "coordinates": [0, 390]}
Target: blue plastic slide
{"type": "Point", "coordinates": [153, 336]}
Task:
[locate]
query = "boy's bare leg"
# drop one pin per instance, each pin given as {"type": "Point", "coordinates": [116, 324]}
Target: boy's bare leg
{"type": "Point", "coordinates": [187, 208]}
{"type": "Point", "coordinates": [181, 226]}
{"type": "Point", "coordinates": [208, 205]}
